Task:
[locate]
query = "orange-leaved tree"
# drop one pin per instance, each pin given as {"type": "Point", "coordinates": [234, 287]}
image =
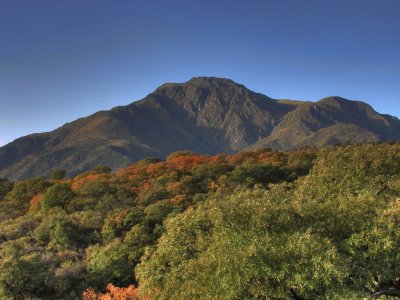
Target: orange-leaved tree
{"type": "Point", "coordinates": [114, 293]}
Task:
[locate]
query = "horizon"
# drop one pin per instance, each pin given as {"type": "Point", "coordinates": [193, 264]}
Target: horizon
{"type": "Point", "coordinates": [60, 61]}
{"type": "Point", "coordinates": [281, 98]}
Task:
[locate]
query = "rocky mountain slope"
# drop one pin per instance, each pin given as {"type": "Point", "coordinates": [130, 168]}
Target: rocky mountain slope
{"type": "Point", "coordinates": [206, 115]}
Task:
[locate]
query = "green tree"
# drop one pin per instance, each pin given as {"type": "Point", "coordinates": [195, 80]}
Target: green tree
{"type": "Point", "coordinates": [22, 271]}
{"type": "Point", "coordinates": [5, 187]}
{"type": "Point", "coordinates": [57, 174]}
{"type": "Point", "coordinates": [109, 264]}
{"type": "Point", "coordinates": [244, 246]}
{"type": "Point", "coordinates": [57, 195]}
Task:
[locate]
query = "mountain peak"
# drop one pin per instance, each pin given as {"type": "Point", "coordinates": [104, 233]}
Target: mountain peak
{"type": "Point", "coordinates": [213, 81]}
{"type": "Point", "coordinates": [216, 93]}
{"type": "Point", "coordinates": [205, 82]}
{"type": "Point", "coordinates": [206, 115]}
{"type": "Point", "coordinates": [333, 99]}
{"type": "Point", "coordinates": [342, 103]}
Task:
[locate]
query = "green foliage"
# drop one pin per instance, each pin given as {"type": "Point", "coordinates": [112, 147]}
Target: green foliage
{"type": "Point", "coordinates": [59, 231]}
{"type": "Point", "coordinates": [179, 153]}
{"type": "Point", "coordinates": [57, 174]}
{"type": "Point", "coordinates": [19, 227]}
{"type": "Point", "coordinates": [119, 221]}
{"type": "Point", "coordinates": [332, 235]}
{"type": "Point", "coordinates": [156, 213]}
{"type": "Point", "coordinates": [22, 271]}
{"type": "Point", "coordinates": [109, 263]}
{"type": "Point", "coordinates": [17, 200]}
{"type": "Point", "coordinates": [147, 161]}
{"type": "Point", "coordinates": [100, 169]}
{"type": "Point", "coordinates": [375, 251]}
{"type": "Point", "coordinates": [153, 195]}
{"type": "Point", "coordinates": [252, 173]}
{"type": "Point", "coordinates": [5, 187]}
{"type": "Point", "coordinates": [25, 190]}
{"type": "Point", "coordinates": [65, 234]}
{"type": "Point", "coordinates": [252, 225]}
{"type": "Point", "coordinates": [97, 189]}
{"type": "Point", "coordinates": [57, 195]}
{"type": "Point", "coordinates": [249, 245]}
{"type": "Point", "coordinates": [114, 262]}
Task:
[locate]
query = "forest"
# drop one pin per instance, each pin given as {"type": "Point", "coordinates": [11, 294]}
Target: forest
{"type": "Point", "coordinates": [312, 223]}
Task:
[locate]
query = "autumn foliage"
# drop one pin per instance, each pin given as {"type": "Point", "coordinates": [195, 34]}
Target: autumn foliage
{"type": "Point", "coordinates": [34, 204]}
{"type": "Point", "coordinates": [113, 293]}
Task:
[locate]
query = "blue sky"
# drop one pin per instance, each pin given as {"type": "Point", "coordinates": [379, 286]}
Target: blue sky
{"type": "Point", "coordinates": [60, 60]}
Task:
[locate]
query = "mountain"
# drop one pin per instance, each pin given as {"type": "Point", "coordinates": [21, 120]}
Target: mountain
{"type": "Point", "coordinates": [206, 115]}
{"type": "Point", "coordinates": [332, 120]}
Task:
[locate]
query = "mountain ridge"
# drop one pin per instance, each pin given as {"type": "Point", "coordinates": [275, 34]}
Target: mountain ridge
{"type": "Point", "coordinates": [207, 115]}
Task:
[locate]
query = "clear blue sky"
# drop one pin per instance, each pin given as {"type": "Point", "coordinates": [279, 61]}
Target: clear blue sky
{"type": "Point", "coordinates": [64, 59]}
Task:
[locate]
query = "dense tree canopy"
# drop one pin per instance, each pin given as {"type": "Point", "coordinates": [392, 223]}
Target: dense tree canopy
{"type": "Point", "coordinates": [334, 234]}
{"type": "Point", "coordinates": [307, 224]}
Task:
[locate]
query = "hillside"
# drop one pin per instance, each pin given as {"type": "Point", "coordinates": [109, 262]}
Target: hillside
{"type": "Point", "coordinates": [206, 115]}
{"type": "Point", "coordinates": [332, 120]}
{"type": "Point", "coordinates": [305, 224]}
